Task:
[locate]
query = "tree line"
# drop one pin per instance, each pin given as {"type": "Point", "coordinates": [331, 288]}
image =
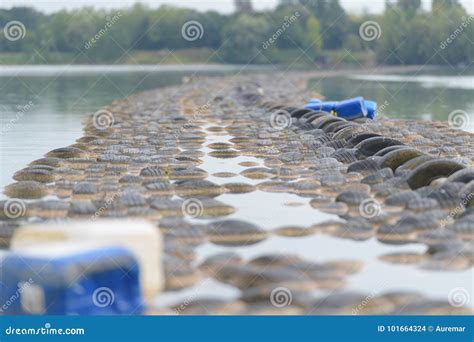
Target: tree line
{"type": "Point", "coordinates": [309, 29]}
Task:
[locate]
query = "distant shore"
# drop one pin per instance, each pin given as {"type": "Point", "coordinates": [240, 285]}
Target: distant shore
{"type": "Point", "coordinates": [314, 71]}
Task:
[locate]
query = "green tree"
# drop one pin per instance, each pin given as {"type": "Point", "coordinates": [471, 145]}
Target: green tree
{"type": "Point", "coordinates": [313, 36]}
{"type": "Point", "coordinates": [332, 18]}
{"type": "Point", "coordinates": [243, 38]}
{"type": "Point", "coordinates": [444, 5]}
{"type": "Point", "coordinates": [409, 7]}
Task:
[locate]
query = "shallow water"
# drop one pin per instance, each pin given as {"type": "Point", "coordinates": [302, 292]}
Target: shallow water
{"type": "Point", "coordinates": [268, 211]}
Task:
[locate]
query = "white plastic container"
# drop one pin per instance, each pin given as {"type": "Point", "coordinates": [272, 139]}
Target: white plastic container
{"type": "Point", "coordinates": [141, 237]}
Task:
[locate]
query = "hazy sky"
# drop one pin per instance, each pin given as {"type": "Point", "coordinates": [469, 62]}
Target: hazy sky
{"type": "Point", "coordinates": [224, 6]}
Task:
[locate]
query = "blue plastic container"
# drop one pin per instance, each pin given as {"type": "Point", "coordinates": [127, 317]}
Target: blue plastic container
{"type": "Point", "coordinates": [349, 109]}
{"type": "Point", "coordinates": [371, 108]}
{"type": "Point", "coordinates": [326, 106]}
{"type": "Point", "coordinates": [97, 281]}
{"type": "Point", "coordinates": [352, 108]}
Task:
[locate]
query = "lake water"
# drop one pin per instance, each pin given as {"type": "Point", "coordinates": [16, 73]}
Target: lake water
{"type": "Point", "coordinates": [42, 108]}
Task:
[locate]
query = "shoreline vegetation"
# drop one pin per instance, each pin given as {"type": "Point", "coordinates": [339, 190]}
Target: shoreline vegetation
{"type": "Point", "coordinates": [296, 32]}
{"type": "Point", "coordinates": [184, 56]}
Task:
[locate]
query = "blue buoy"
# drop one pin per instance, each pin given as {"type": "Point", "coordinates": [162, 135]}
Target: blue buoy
{"type": "Point", "coordinates": [92, 281]}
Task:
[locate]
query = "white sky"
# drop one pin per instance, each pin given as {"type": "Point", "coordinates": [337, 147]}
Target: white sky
{"type": "Point", "coordinates": [223, 6]}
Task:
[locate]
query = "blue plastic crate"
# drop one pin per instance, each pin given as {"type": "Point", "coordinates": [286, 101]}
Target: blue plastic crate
{"type": "Point", "coordinates": [98, 281]}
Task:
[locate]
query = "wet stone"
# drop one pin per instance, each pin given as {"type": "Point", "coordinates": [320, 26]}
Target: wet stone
{"type": "Point", "coordinates": [258, 173]}
{"type": "Point", "coordinates": [402, 198]}
{"type": "Point", "coordinates": [224, 174]}
{"type": "Point", "coordinates": [187, 173]}
{"type": "Point", "coordinates": [352, 197]}
{"type": "Point", "coordinates": [82, 208]}
{"type": "Point", "coordinates": [422, 204]}
{"type": "Point", "coordinates": [66, 152]}
{"type": "Point", "coordinates": [153, 172]}
{"type": "Point", "coordinates": [131, 179]}
{"type": "Point", "coordinates": [42, 175]}
{"type": "Point", "coordinates": [7, 229]}
{"type": "Point", "coordinates": [200, 188]}
{"type": "Point", "coordinates": [293, 231]}
{"type": "Point", "coordinates": [167, 207]}
{"type": "Point", "coordinates": [179, 273]}
{"type": "Point", "coordinates": [180, 251]}
{"type": "Point", "coordinates": [274, 186]}
{"type": "Point", "coordinates": [50, 208]}
{"type": "Point", "coordinates": [215, 262]}
{"type": "Point", "coordinates": [132, 198]}
{"type": "Point", "coordinates": [235, 233]}
{"type": "Point", "coordinates": [193, 235]}
{"type": "Point", "coordinates": [355, 229]}
{"type": "Point", "coordinates": [366, 166]}
{"type": "Point", "coordinates": [464, 229]}
{"type": "Point", "coordinates": [113, 159]}
{"type": "Point", "coordinates": [378, 176]}
{"type": "Point", "coordinates": [436, 236]}
{"type": "Point", "coordinates": [333, 180]}
{"type": "Point", "coordinates": [224, 154]}
{"type": "Point", "coordinates": [26, 190]}
{"type": "Point", "coordinates": [239, 188]}
{"type": "Point", "coordinates": [335, 208]}
{"type": "Point", "coordinates": [160, 188]}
